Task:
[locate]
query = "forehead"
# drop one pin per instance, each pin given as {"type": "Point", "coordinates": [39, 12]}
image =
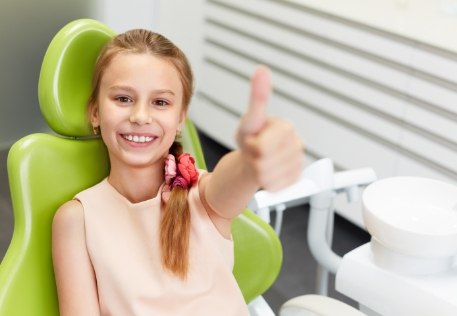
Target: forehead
{"type": "Point", "coordinates": [142, 70]}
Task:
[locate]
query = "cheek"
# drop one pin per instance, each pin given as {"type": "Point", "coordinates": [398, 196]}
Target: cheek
{"type": "Point", "coordinates": [170, 129]}
{"type": "Point", "coordinates": [104, 123]}
{"type": "Point", "coordinates": [108, 115]}
{"type": "Point", "coordinates": [108, 125]}
{"type": "Point", "coordinates": [173, 122]}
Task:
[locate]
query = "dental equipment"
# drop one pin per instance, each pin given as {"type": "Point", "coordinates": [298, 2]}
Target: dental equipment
{"type": "Point", "coordinates": [318, 186]}
{"type": "Point", "coordinates": [409, 267]}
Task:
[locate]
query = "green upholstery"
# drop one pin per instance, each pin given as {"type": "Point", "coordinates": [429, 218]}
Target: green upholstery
{"type": "Point", "coordinates": [66, 76]}
{"type": "Point", "coordinates": [258, 254]}
{"type": "Point", "coordinates": [44, 172]}
{"type": "Point", "coordinates": [47, 170]}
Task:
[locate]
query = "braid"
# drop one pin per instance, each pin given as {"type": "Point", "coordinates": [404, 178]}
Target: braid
{"type": "Point", "coordinates": [176, 149]}
{"type": "Point", "coordinates": [175, 227]}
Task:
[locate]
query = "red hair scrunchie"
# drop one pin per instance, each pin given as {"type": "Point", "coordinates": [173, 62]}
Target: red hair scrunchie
{"type": "Point", "coordinates": [183, 173]}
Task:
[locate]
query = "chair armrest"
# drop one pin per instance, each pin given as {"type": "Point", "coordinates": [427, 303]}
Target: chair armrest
{"type": "Point", "coordinates": [307, 305]}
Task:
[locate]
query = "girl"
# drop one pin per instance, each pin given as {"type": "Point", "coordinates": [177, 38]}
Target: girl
{"type": "Point", "coordinates": [153, 238]}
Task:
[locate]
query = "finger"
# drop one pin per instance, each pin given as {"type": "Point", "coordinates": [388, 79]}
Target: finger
{"type": "Point", "coordinates": [282, 175]}
{"type": "Point", "coordinates": [256, 114]}
{"type": "Point", "coordinates": [275, 136]}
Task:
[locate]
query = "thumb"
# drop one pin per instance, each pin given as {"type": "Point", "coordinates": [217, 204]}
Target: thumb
{"type": "Point", "coordinates": [256, 115]}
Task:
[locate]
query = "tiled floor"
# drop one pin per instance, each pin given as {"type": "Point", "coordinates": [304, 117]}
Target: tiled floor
{"type": "Point", "coordinates": [297, 276]}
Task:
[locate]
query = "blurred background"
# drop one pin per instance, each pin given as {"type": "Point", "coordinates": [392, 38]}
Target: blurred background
{"type": "Point", "coordinates": [366, 83]}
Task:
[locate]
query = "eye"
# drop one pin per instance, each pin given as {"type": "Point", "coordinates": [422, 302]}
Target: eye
{"type": "Point", "coordinates": [161, 102]}
{"type": "Point", "coordinates": [123, 99]}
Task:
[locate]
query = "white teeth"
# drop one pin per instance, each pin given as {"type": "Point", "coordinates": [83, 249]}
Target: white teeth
{"type": "Point", "coordinates": [138, 139]}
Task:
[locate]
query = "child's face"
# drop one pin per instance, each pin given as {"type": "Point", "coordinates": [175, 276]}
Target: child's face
{"type": "Point", "coordinates": [139, 109]}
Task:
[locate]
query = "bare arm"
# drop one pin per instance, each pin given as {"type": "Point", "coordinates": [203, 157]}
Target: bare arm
{"type": "Point", "coordinates": [270, 156]}
{"type": "Point", "coordinates": [75, 279]}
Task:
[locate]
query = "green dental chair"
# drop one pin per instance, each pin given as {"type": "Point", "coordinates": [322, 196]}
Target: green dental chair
{"type": "Point", "coordinates": [46, 170]}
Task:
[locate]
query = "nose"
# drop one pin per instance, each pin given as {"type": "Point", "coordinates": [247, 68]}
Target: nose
{"type": "Point", "coordinates": [140, 114]}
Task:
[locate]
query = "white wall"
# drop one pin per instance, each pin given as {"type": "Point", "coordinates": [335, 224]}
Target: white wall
{"type": "Point", "coordinates": [182, 22]}
{"type": "Point", "coordinates": [363, 94]}
{"type": "Point", "coordinates": [122, 15]}
{"type": "Point", "coordinates": [26, 28]}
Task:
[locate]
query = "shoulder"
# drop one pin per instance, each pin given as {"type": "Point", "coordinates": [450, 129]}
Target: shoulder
{"type": "Point", "coordinates": [96, 189]}
{"type": "Point", "coordinates": [68, 232]}
{"type": "Point", "coordinates": [71, 213]}
{"type": "Point", "coordinates": [75, 279]}
{"type": "Point", "coordinates": [69, 217]}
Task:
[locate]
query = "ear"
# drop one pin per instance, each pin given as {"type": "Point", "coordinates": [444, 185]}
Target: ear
{"type": "Point", "coordinates": [94, 115]}
{"type": "Point", "coordinates": [182, 119]}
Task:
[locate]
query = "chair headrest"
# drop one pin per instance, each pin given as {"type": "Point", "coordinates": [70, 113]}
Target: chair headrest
{"type": "Point", "coordinates": [65, 80]}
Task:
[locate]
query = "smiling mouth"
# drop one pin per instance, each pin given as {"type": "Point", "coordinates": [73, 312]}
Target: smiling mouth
{"type": "Point", "coordinates": [138, 139]}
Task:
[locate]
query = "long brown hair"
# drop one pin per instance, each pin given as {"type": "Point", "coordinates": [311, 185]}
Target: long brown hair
{"type": "Point", "coordinates": [175, 221]}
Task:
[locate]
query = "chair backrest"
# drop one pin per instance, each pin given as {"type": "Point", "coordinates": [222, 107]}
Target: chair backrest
{"type": "Point", "coordinates": [46, 170]}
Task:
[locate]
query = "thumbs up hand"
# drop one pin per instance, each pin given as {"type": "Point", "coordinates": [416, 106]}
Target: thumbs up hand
{"type": "Point", "coordinates": [270, 147]}
{"type": "Point", "coordinates": [256, 116]}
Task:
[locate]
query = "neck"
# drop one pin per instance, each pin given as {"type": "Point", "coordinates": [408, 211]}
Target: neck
{"type": "Point", "coordinates": [137, 184]}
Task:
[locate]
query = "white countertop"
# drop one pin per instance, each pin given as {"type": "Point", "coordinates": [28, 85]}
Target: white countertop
{"type": "Point", "coordinates": [433, 22]}
{"type": "Point", "coordinates": [361, 279]}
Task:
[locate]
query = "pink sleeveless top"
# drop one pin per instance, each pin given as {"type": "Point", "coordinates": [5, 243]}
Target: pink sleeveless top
{"type": "Point", "coordinates": [122, 242]}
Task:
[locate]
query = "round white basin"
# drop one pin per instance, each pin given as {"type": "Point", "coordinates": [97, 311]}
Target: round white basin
{"type": "Point", "coordinates": [412, 216]}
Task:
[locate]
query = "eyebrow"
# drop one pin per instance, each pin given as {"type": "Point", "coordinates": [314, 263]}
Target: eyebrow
{"type": "Point", "coordinates": [129, 89]}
